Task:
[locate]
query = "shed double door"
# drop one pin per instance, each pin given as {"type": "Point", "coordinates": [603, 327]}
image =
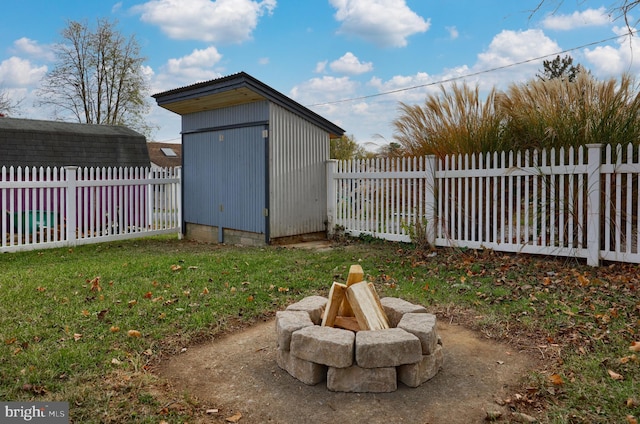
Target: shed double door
{"type": "Point", "coordinates": [225, 180]}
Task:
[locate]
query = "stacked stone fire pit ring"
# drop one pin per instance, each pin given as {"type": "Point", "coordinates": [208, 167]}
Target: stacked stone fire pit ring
{"type": "Point", "coordinates": [410, 351]}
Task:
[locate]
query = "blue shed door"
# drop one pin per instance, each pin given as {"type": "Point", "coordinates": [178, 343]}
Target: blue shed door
{"type": "Point", "coordinates": [225, 179]}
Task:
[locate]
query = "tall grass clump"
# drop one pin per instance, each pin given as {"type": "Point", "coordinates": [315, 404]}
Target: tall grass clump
{"type": "Point", "coordinates": [455, 120]}
{"type": "Point", "coordinates": [538, 114]}
{"type": "Point", "coordinates": [558, 113]}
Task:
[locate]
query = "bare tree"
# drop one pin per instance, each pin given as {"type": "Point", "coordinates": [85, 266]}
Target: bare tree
{"type": "Point", "coordinates": [7, 105]}
{"type": "Point", "coordinates": [98, 77]}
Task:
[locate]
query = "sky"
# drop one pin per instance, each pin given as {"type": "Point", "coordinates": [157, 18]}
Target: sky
{"type": "Point", "coordinates": [351, 61]}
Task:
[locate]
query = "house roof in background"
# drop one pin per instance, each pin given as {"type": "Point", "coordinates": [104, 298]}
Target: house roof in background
{"type": "Point", "coordinates": [160, 154]}
{"type": "Point", "coordinates": [234, 90]}
{"type": "Point", "coordinates": [28, 142]}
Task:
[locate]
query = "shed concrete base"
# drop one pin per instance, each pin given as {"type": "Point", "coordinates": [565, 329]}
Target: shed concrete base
{"type": "Point", "coordinates": [209, 234]}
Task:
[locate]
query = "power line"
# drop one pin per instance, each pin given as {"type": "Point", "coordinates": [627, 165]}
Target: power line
{"type": "Point", "coordinates": [473, 74]}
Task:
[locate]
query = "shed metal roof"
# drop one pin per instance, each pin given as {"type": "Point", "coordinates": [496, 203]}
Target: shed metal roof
{"type": "Point", "coordinates": [234, 90]}
{"type": "Point", "coordinates": [29, 142]}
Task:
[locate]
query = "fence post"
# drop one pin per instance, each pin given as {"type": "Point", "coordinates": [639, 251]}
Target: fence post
{"type": "Point", "coordinates": [331, 166]}
{"type": "Point", "coordinates": [594, 161]}
{"type": "Point", "coordinates": [430, 198]}
{"type": "Point", "coordinates": [178, 200]}
{"type": "Point", "coordinates": [71, 203]}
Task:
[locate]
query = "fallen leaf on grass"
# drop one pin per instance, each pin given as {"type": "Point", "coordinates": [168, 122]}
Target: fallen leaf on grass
{"type": "Point", "coordinates": [556, 380]}
{"type": "Point", "coordinates": [85, 313]}
{"type": "Point", "coordinates": [95, 284]}
{"type": "Point", "coordinates": [615, 375]}
{"type": "Point", "coordinates": [631, 419]}
{"type": "Point", "coordinates": [212, 411]}
{"type": "Point", "coordinates": [234, 418]}
{"type": "Point", "coordinates": [114, 329]}
{"type": "Point", "coordinates": [12, 340]}
{"type": "Point", "coordinates": [77, 336]}
{"type": "Point", "coordinates": [584, 281]}
{"type": "Point", "coordinates": [148, 295]}
{"type": "Point", "coordinates": [176, 267]}
{"type": "Point", "coordinates": [630, 358]}
{"type": "Point", "coordinates": [635, 347]}
{"type": "Point", "coordinates": [116, 361]}
{"type": "Point", "coordinates": [205, 291]}
{"type": "Point", "coordinates": [38, 390]}
{"type": "Point", "coordinates": [134, 333]}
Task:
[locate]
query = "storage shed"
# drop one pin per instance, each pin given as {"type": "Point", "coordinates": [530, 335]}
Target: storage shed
{"type": "Point", "coordinates": [31, 142]}
{"type": "Point", "coordinates": [254, 162]}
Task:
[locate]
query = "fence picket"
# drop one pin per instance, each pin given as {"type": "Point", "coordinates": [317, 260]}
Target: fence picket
{"type": "Point", "coordinates": [54, 207]}
{"type": "Point", "coordinates": [532, 201]}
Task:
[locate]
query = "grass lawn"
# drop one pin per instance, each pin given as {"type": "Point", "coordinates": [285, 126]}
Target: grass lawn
{"type": "Point", "coordinates": [86, 325]}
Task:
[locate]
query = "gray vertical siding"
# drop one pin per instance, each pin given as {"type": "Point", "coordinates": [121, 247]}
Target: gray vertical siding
{"type": "Point", "coordinates": [297, 191]}
{"type": "Point", "coordinates": [224, 180]}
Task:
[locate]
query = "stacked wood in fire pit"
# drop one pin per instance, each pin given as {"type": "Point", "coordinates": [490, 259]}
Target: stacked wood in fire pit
{"type": "Point", "coordinates": [355, 305]}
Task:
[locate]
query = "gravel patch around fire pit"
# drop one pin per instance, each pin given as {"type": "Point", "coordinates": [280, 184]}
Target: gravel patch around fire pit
{"type": "Point", "coordinates": [238, 373]}
{"type": "Point", "coordinates": [409, 352]}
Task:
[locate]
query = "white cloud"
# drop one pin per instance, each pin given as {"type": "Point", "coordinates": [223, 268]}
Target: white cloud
{"type": "Point", "coordinates": [32, 49]}
{"type": "Point", "coordinates": [263, 61]}
{"type": "Point", "coordinates": [386, 23]}
{"type": "Point", "coordinates": [611, 61]}
{"type": "Point", "coordinates": [511, 47]}
{"type": "Point", "coordinates": [587, 18]}
{"type": "Point", "coordinates": [195, 67]}
{"type": "Point", "coordinates": [225, 21]}
{"type": "Point", "coordinates": [18, 72]}
{"type": "Point", "coordinates": [349, 64]}
{"type": "Point", "coordinates": [371, 118]}
{"type": "Point", "coordinates": [321, 66]}
{"type": "Point", "coordinates": [323, 89]}
{"type": "Point", "coordinates": [453, 32]}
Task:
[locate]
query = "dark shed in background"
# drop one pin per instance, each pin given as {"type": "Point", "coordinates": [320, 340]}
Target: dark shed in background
{"type": "Point", "coordinates": [254, 162]}
{"type": "Point", "coordinates": [29, 142]}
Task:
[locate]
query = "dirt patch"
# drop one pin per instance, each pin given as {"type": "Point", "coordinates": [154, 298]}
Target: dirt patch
{"type": "Point", "coordinates": [238, 374]}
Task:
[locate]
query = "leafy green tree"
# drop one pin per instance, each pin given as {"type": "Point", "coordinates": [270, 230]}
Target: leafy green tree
{"type": "Point", "coordinates": [345, 148]}
{"type": "Point", "coordinates": [560, 68]}
{"type": "Point", "coordinates": [98, 77]}
{"type": "Point", "coordinates": [391, 150]}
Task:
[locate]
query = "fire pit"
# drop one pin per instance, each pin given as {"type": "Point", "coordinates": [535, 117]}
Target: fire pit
{"type": "Point", "coordinates": [403, 345]}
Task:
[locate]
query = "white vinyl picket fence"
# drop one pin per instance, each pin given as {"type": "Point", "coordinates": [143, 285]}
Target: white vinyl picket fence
{"type": "Point", "coordinates": [577, 202]}
{"type": "Point", "coordinates": [56, 207]}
